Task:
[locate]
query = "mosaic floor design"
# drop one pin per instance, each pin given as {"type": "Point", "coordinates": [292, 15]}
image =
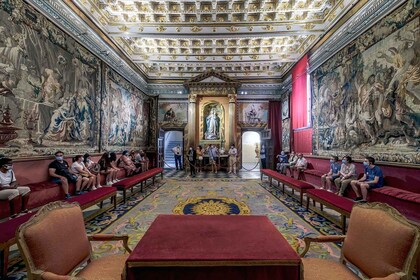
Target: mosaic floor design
{"type": "Point", "coordinates": [182, 174]}
{"type": "Point", "coordinates": [254, 196]}
{"type": "Point", "coordinates": [248, 193]}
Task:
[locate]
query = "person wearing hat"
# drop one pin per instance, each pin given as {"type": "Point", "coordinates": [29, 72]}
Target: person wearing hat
{"type": "Point", "coordinates": [10, 189]}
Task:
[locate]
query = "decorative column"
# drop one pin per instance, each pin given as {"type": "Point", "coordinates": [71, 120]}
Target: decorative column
{"type": "Point", "coordinates": [192, 119]}
{"type": "Point", "coordinates": [232, 116]}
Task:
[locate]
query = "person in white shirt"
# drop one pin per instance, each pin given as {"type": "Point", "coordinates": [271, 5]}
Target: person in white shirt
{"type": "Point", "coordinates": [88, 179]}
{"type": "Point", "coordinates": [233, 153]}
{"type": "Point", "coordinates": [177, 154]}
{"type": "Point", "coordinates": [301, 164]}
{"type": "Point", "coordinates": [347, 174]}
{"type": "Point", "coordinates": [9, 188]}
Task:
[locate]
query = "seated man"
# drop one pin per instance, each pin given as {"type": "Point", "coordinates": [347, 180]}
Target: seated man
{"type": "Point", "coordinates": [347, 174]}
{"type": "Point", "coordinates": [372, 178]}
{"type": "Point", "coordinates": [333, 174]}
{"type": "Point", "coordinates": [301, 165]}
{"type": "Point", "coordinates": [283, 162]}
{"type": "Point", "coordinates": [9, 188]}
{"type": "Point", "coordinates": [61, 174]}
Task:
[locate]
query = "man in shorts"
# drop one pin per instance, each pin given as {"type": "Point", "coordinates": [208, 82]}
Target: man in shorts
{"type": "Point", "coordinates": [372, 179]}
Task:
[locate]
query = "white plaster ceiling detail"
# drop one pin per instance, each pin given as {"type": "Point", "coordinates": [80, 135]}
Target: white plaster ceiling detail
{"type": "Point", "coordinates": [245, 39]}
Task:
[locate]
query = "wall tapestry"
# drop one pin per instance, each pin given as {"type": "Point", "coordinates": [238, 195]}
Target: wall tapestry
{"type": "Point", "coordinates": [48, 87]}
{"type": "Point", "coordinates": [366, 99]}
{"type": "Point", "coordinates": [285, 135]}
{"type": "Point", "coordinates": [173, 112]}
{"type": "Point", "coordinates": [125, 118]}
{"type": "Point", "coordinates": [253, 112]}
{"type": "Point", "coordinates": [285, 108]}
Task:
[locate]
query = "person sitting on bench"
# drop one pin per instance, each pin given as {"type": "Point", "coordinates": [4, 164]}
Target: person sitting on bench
{"type": "Point", "coordinates": [333, 174]}
{"type": "Point", "coordinates": [372, 179]}
{"type": "Point", "coordinates": [10, 189]}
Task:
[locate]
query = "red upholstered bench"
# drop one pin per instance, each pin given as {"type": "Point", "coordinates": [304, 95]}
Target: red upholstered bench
{"type": "Point", "coordinates": [408, 203]}
{"type": "Point", "coordinates": [141, 178]}
{"type": "Point", "coordinates": [7, 239]}
{"type": "Point", "coordinates": [300, 186]}
{"type": "Point", "coordinates": [86, 200]}
{"type": "Point", "coordinates": [338, 203]}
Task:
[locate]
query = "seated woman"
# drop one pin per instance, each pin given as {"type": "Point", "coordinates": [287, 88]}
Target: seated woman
{"type": "Point", "coordinates": [10, 189]}
{"type": "Point", "coordinates": [107, 169]}
{"type": "Point", "coordinates": [125, 162]}
{"type": "Point", "coordinates": [332, 174]}
{"type": "Point", "coordinates": [93, 168]}
{"type": "Point", "coordinates": [88, 179]}
{"type": "Point", "coordinates": [283, 162]}
{"type": "Point", "coordinates": [347, 174]}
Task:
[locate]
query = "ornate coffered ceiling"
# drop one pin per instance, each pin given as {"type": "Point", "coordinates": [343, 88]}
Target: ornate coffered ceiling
{"type": "Point", "coordinates": [250, 40]}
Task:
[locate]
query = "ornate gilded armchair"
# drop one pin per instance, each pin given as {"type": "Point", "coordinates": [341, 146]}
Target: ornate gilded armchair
{"type": "Point", "coordinates": [380, 242]}
{"type": "Point", "coordinates": [54, 244]}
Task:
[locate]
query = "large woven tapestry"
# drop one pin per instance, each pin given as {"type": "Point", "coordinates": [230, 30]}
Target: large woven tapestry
{"type": "Point", "coordinates": [366, 98]}
{"type": "Point", "coordinates": [48, 87]}
{"type": "Point", "coordinates": [125, 118]}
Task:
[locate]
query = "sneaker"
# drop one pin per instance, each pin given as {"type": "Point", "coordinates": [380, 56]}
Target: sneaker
{"type": "Point", "coordinates": [98, 186]}
{"type": "Point", "coordinates": [93, 188]}
{"type": "Point", "coordinates": [362, 201]}
{"type": "Point", "coordinates": [76, 193]}
{"type": "Point", "coordinates": [67, 196]}
{"type": "Point", "coordinates": [358, 198]}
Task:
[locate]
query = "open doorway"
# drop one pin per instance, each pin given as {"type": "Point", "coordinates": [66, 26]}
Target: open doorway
{"type": "Point", "coordinates": [171, 139]}
{"type": "Point", "coordinates": [250, 141]}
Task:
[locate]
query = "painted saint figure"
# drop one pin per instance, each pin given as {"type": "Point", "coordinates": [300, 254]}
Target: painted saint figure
{"type": "Point", "coordinates": [212, 122]}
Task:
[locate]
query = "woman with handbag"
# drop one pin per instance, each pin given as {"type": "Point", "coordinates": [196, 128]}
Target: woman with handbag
{"type": "Point", "coordinates": [88, 179]}
{"type": "Point", "coordinates": [93, 168]}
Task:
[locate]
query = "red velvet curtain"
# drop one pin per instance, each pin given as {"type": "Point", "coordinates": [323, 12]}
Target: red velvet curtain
{"type": "Point", "coordinates": [275, 124]}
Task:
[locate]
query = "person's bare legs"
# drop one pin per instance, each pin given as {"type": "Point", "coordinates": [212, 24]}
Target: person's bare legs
{"type": "Point", "coordinates": [353, 185]}
{"type": "Point", "coordinates": [364, 188]}
{"type": "Point", "coordinates": [65, 185]}
{"type": "Point", "coordinates": [328, 182]}
{"type": "Point", "coordinates": [83, 182]}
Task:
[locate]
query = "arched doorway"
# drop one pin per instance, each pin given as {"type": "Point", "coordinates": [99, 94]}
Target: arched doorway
{"type": "Point", "coordinates": [250, 140]}
{"type": "Point", "coordinates": [171, 139]}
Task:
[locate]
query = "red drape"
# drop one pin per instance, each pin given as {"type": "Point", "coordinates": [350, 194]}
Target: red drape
{"type": "Point", "coordinates": [301, 136]}
{"type": "Point", "coordinates": [275, 124]}
{"type": "Point", "coordinates": [299, 94]}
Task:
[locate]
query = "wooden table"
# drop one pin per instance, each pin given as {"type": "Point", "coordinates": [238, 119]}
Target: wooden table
{"type": "Point", "coordinates": [213, 247]}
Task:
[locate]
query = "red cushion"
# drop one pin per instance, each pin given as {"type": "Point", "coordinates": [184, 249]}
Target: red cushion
{"type": "Point", "coordinates": [287, 180]}
{"type": "Point", "coordinates": [93, 195]}
{"type": "Point", "coordinates": [132, 181]}
{"type": "Point", "coordinates": [314, 172]}
{"type": "Point", "coordinates": [338, 201]}
{"type": "Point", "coordinates": [8, 228]}
{"type": "Point", "coordinates": [42, 186]}
{"type": "Point", "coordinates": [399, 193]}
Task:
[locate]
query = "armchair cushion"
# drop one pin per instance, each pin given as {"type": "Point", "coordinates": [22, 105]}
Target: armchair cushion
{"type": "Point", "coordinates": [58, 242]}
{"type": "Point", "coordinates": [377, 242]}
{"type": "Point", "coordinates": [105, 268]}
{"type": "Point", "coordinates": [319, 269]}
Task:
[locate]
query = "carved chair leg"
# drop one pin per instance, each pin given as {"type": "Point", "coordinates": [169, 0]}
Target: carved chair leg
{"type": "Point", "coordinates": [4, 262]}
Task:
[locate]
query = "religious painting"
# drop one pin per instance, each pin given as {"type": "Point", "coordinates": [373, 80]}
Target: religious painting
{"type": "Point", "coordinates": [253, 112]}
{"type": "Point", "coordinates": [173, 112]}
{"type": "Point", "coordinates": [367, 97]}
{"type": "Point", "coordinates": [49, 87]}
{"type": "Point", "coordinates": [213, 121]}
{"type": "Point", "coordinates": [124, 120]}
{"type": "Point", "coordinates": [285, 108]}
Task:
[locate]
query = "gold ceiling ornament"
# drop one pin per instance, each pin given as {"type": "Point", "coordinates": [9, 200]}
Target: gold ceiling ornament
{"type": "Point", "coordinates": [254, 57]}
{"type": "Point", "coordinates": [232, 29]}
{"type": "Point", "coordinates": [173, 57]}
{"type": "Point", "coordinates": [141, 28]}
{"type": "Point", "coordinates": [92, 10]}
{"type": "Point", "coordinates": [200, 57]}
{"type": "Point", "coordinates": [270, 56]}
{"type": "Point", "coordinates": [214, 29]}
{"type": "Point", "coordinates": [270, 73]}
{"type": "Point", "coordinates": [268, 28]}
{"type": "Point", "coordinates": [145, 57]}
{"type": "Point", "coordinates": [288, 27]}
{"type": "Point", "coordinates": [158, 57]}
{"type": "Point", "coordinates": [250, 28]}
{"type": "Point", "coordinates": [160, 28]}
{"type": "Point", "coordinates": [196, 29]}
{"type": "Point", "coordinates": [228, 57]}
{"type": "Point", "coordinates": [123, 28]}
{"type": "Point", "coordinates": [308, 26]}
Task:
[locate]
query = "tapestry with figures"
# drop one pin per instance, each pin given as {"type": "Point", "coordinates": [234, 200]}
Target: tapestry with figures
{"type": "Point", "coordinates": [49, 87]}
{"type": "Point", "coordinates": [125, 119]}
{"type": "Point", "coordinates": [366, 98]}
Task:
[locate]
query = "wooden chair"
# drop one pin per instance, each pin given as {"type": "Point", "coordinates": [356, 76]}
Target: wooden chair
{"type": "Point", "coordinates": [54, 244]}
{"type": "Point", "coordinates": [380, 243]}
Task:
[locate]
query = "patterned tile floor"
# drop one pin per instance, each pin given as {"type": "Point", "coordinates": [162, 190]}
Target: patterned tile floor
{"type": "Point", "coordinates": [243, 174]}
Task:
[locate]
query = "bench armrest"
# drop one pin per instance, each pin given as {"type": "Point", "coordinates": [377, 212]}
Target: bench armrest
{"type": "Point", "coordinates": [111, 237]}
{"type": "Point", "coordinates": [320, 239]}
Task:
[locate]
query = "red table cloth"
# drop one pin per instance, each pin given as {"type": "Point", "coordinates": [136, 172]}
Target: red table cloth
{"type": "Point", "coordinates": [213, 247]}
